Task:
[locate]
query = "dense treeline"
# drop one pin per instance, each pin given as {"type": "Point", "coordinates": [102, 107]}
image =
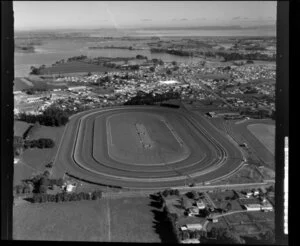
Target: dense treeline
{"type": "Point", "coordinates": [259, 113]}
{"type": "Point", "coordinates": [143, 98]}
{"type": "Point", "coordinates": [232, 56]}
{"type": "Point", "coordinates": [37, 70]}
{"type": "Point", "coordinates": [39, 143]}
{"type": "Point", "coordinates": [66, 197]}
{"type": "Point", "coordinates": [171, 51]}
{"type": "Point", "coordinates": [228, 56]}
{"type": "Point", "coordinates": [32, 91]}
{"type": "Point", "coordinates": [77, 58]}
{"type": "Point", "coordinates": [169, 105]}
{"type": "Point", "coordinates": [141, 57]}
{"type": "Point", "coordinates": [52, 116]}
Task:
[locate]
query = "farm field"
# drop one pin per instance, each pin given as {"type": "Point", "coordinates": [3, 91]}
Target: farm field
{"type": "Point", "coordinates": [20, 127]}
{"type": "Point", "coordinates": [19, 85]}
{"type": "Point", "coordinates": [265, 134]}
{"type": "Point", "coordinates": [34, 160]}
{"type": "Point", "coordinates": [247, 174]}
{"type": "Point", "coordinates": [243, 134]}
{"type": "Point", "coordinates": [36, 83]}
{"type": "Point", "coordinates": [113, 220]}
{"type": "Point", "coordinates": [75, 67]}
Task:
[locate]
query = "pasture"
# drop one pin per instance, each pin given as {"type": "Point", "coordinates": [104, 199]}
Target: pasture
{"type": "Point", "coordinates": [105, 220]}
{"type": "Point", "coordinates": [33, 161]}
{"type": "Point", "coordinates": [76, 67]}
{"type": "Point", "coordinates": [20, 128]}
{"type": "Point", "coordinates": [243, 134]}
{"type": "Point", "coordinates": [265, 134]}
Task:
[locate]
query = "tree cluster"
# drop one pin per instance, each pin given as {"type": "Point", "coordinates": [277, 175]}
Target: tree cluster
{"type": "Point", "coordinates": [42, 182]}
{"type": "Point", "coordinates": [32, 91]}
{"type": "Point", "coordinates": [66, 197]}
{"type": "Point", "coordinates": [171, 221]}
{"type": "Point", "coordinates": [52, 116]}
{"type": "Point", "coordinates": [18, 145]}
{"type": "Point", "coordinates": [77, 58]}
{"type": "Point", "coordinates": [193, 195]}
{"type": "Point", "coordinates": [39, 143]}
{"type": "Point", "coordinates": [157, 61]}
{"type": "Point", "coordinates": [170, 192]}
{"type": "Point", "coordinates": [140, 57]}
{"type": "Point", "coordinates": [143, 98]}
{"type": "Point", "coordinates": [184, 235]}
{"type": "Point", "coordinates": [171, 51]}
{"type": "Point", "coordinates": [250, 56]}
{"type": "Point", "coordinates": [259, 113]}
{"type": "Point", "coordinates": [22, 188]}
{"type": "Point", "coordinates": [37, 70]}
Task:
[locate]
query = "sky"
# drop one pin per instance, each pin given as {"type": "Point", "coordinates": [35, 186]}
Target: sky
{"type": "Point", "coordinates": [134, 14]}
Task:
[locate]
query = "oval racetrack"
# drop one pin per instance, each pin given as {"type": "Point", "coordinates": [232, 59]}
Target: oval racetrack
{"type": "Point", "coordinates": [144, 147]}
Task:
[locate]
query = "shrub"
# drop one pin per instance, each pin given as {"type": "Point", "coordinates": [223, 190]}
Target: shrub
{"type": "Point", "coordinates": [46, 174]}
{"type": "Point", "coordinates": [165, 193]}
{"type": "Point", "coordinates": [19, 189]}
{"type": "Point", "coordinates": [49, 165]}
{"type": "Point", "coordinates": [42, 189]}
{"type": "Point", "coordinates": [185, 235]}
{"type": "Point", "coordinates": [26, 189]}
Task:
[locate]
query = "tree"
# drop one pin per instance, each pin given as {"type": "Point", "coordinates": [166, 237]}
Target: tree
{"type": "Point", "coordinates": [176, 192]}
{"type": "Point", "coordinates": [165, 193]}
{"type": "Point", "coordinates": [19, 189]}
{"type": "Point", "coordinates": [174, 63]}
{"type": "Point", "coordinates": [193, 195]}
{"type": "Point", "coordinates": [46, 174]}
{"type": "Point", "coordinates": [185, 235]}
{"type": "Point", "coordinates": [152, 69]}
{"type": "Point", "coordinates": [229, 206]}
{"type": "Point", "coordinates": [42, 189]}
{"type": "Point", "coordinates": [168, 72]}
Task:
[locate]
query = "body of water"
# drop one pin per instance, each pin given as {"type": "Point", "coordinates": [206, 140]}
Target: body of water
{"type": "Point", "coordinates": [53, 50]}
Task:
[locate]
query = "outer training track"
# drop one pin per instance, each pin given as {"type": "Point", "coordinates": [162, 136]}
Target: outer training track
{"type": "Point", "coordinates": [189, 150]}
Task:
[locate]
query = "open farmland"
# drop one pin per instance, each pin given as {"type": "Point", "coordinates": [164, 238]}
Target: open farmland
{"type": "Point", "coordinates": [75, 67]}
{"type": "Point", "coordinates": [265, 134]}
{"type": "Point", "coordinates": [36, 83]}
{"type": "Point", "coordinates": [243, 134]}
{"type": "Point", "coordinates": [20, 128]}
{"type": "Point", "coordinates": [105, 220]}
{"type": "Point", "coordinates": [20, 84]}
{"type": "Point", "coordinates": [84, 152]}
{"type": "Point", "coordinates": [247, 174]}
{"type": "Point", "coordinates": [34, 160]}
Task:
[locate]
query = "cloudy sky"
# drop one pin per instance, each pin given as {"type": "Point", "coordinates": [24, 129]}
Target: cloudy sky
{"type": "Point", "coordinates": [55, 15]}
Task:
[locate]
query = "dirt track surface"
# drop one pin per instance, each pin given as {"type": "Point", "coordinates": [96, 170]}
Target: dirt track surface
{"type": "Point", "coordinates": [84, 154]}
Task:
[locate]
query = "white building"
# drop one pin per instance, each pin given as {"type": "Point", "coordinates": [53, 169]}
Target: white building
{"type": "Point", "coordinates": [253, 207]}
{"type": "Point", "coordinates": [77, 88]}
{"type": "Point", "coordinates": [194, 227]}
{"type": "Point", "coordinates": [200, 205]}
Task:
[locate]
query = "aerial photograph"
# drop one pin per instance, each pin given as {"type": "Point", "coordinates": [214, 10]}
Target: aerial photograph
{"type": "Point", "coordinates": [144, 121]}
